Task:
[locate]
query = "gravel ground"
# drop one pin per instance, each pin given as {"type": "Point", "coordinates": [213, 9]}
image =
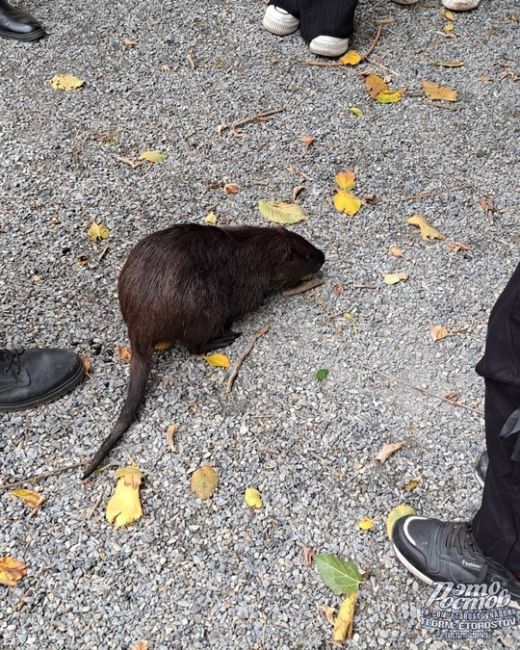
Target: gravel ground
{"type": "Point", "coordinates": [213, 574]}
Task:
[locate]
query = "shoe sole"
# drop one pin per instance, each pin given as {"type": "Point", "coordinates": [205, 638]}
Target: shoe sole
{"type": "Point", "coordinates": [420, 576]}
{"type": "Point", "coordinates": [276, 28]}
{"type": "Point", "coordinates": [58, 392]}
{"type": "Point", "coordinates": [329, 52]}
{"type": "Point", "coordinates": [32, 36]}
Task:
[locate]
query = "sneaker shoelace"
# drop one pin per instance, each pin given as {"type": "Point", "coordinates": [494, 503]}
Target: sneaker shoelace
{"type": "Point", "coordinates": [10, 361]}
{"type": "Point", "coordinates": [460, 537]}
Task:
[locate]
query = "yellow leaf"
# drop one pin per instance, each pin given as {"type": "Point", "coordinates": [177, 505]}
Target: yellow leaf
{"type": "Point", "coordinates": [253, 498]}
{"type": "Point", "coordinates": [413, 483]}
{"type": "Point", "coordinates": [390, 97]}
{"type": "Point", "coordinates": [438, 332]}
{"type": "Point", "coordinates": [346, 202]}
{"type": "Point", "coordinates": [395, 514]}
{"type": "Point", "coordinates": [396, 252]}
{"type": "Point", "coordinates": [153, 156]}
{"type": "Point", "coordinates": [66, 82]}
{"type": "Point", "coordinates": [387, 450]}
{"type": "Point", "coordinates": [345, 619]}
{"type": "Point", "coordinates": [204, 482]}
{"type": "Point", "coordinates": [11, 571]}
{"type": "Point", "coordinates": [375, 85]}
{"type": "Point", "coordinates": [350, 319]}
{"type": "Point", "coordinates": [366, 523]}
{"type": "Point", "coordinates": [346, 180]}
{"type": "Point", "coordinates": [98, 231]}
{"type": "Point", "coordinates": [124, 507]}
{"type": "Point", "coordinates": [32, 499]}
{"type": "Point", "coordinates": [452, 63]}
{"type": "Point", "coordinates": [217, 360]}
{"type": "Point", "coordinates": [394, 278]}
{"type": "Point", "coordinates": [427, 230]}
{"type": "Point", "coordinates": [351, 58]}
{"type": "Point", "coordinates": [449, 15]}
{"type": "Point", "coordinates": [211, 218]}
{"type": "Point", "coordinates": [356, 111]}
{"type": "Point", "coordinates": [284, 213]}
{"type": "Point", "coordinates": [449, 26]}
{"type": "Point", "coordinates": [436, 92]}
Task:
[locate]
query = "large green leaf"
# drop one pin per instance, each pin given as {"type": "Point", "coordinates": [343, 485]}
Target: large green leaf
{"type": "Point", "coordinates": [284, 213]}
{"type": "Point", "coordinates": [340, 576]}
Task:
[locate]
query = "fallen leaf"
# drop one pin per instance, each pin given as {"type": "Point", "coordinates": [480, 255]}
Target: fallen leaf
{"type": "Point", "coordinates": [452, 397]}
{"type": "Point", "coordinates": [413, 483]}
{"type": "Point", "coordinates": [124, 507]}
{"type": "Point", "coordinates": [356, 111]}
{"type": "Point", "coordinates": [449, 27]}
{"type": "Point", "coordinates": [452, 63]}
{"type": "Point", "coordinates": [308, 555]}
{"type": "Point", "coordinates": [97, 231]}
{"type": "Point", "coordinates": [32, 499]}
{"type": "Point", "coordinates": [217, 360]}
{"type": "Point", "coordinates": [87, 365]}
{"type": "Point", "coordinates": [11, 571]}
{"type": "Point", "coordinates": [328, 612]}
{"type": "Point", "coordinates": [390, 97]}
{"type": "Point", "coordinates": [345, 619]}
{"type": "Point", "coordinates": [340, 576]}
{"type": "Point", "coordinates": [427, 230]}
{"type": "Point", "coordinates": [129, 42]}
{"type": "Point", "coordinates": [66, 82]}
{"type": "Point", "coordinates": [133, 162]}
{"type": "Point", "coordinates": [449, 15]}
{"type": "Point", "coordinates": [395, 514]}
{"type": "Point", "coordinates": [396, 252]}
{"type": "Point", "coordinates": [253, 498]}
{"type": "Point", "coordinates": [124, 353]}
{"type": "Point", "coordinates": [231, 188]}
{"type": "Point", "coordinates": [394, 278]}
{"type": "Point", "coordinates": [350, 320]}
{"type": "Point", "coordinates": [387, 450]}
{"type": "Point", "coordinates": [204, 482]}
{"type": "Point", "coordinates": [307, 140]}
{"type": "Point", "coordinates": [346, 180]}
{"type": "Point", "coordinates": [284, 213]}
{"type": "Point", "coordinates": [171, 432]}
{"type": "Point", "coordinates": [456, 246]}
{"type": "Point", "coordinates": [438, 332]}
{"type": "Point", "coordinates": [141, 645]}
{"type": "Point", "coordinates": [436, 92]}
{"type": "Point", "coordinates": [296, 191]}
{"type": "Point", "coordinates": [366, 523]}
{"type": "Point", "coordinates": [347, 203]}
{"type": "Point", "coordinates": [351, 58]}
{"type": "Point", "coordinates": [211, 218]}
{"type": "Point", "coordinates": [375, 85]}
{"type": "Point", "coordinates": [153, 156]}
{"type": "Point", "coordinates": [371, 199]}
{"type": "Point", "coordinates": [487, 203]}
{"type": "Point", "coordinates": [322, 374]}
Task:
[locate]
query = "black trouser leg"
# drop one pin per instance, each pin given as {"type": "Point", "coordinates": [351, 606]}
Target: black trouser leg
{"type": "Point", "coordinates": [321, 17]}
{"type": "Point", "coordinates": [496, 525]}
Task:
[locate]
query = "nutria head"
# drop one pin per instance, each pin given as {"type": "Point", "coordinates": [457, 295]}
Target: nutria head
{"type": "Point", "coordinates": [298, 259]}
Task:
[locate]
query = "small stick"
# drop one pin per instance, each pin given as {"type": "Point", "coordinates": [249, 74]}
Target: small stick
{"type": "Point", "coordinates": [429, 195]}
{"type": "Point", "coordinates": [424, 391]}
{"type": "Point", "coordinates": [259, 117]}
{"type": "Point", "coordinates": [34, 478]}
{"type": "Point", "coordinates": [302, 288]}
{"type": "Point", "coordinates": [95, 506]}
{"type": "Point", "coordinates": [229, 385]}
{"type": "Point", "coordinates": [364, 286]}
{"type": "Point", "coordinates": [374, 43]}
{"type": "Point", "coordinates": [103, 254]}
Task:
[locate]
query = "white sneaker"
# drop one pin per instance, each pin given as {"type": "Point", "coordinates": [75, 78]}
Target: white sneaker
{"type": "Point", "coordinates": [461, 5]}
{"type": "Point", "coordinates": [405, 2]}
{"type": "Point", "coordinates": [328, 46]}
{"type": "Point", "coordinates": [279, 22]}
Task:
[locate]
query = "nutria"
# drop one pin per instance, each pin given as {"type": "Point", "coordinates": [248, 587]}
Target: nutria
{"type": "Point", "coordinates": [188, 284]}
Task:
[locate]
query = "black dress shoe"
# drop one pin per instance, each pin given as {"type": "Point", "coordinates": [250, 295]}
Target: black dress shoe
{"type": "Point", "coordinates": [15, 23]}
{"type": "Point", "coordinates": [32, 377]}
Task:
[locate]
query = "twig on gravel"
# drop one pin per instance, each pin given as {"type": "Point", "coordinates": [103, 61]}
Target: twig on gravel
{"type": "Point", "coordinates": [302, 288]}
{"type": "Point", "coordinates": [34, 478]}
{"type": "Point", "coordinates": [364, 286]}
{"type": "Point", "coordinates": [103, 253]}
{"type": "Point", "coordinates": [231, 380]}
{"type": "Point", "coordinates": [424, 391]}
{"type": "Point", "coordinates": [429, 195]}
{"type": "Point", "coordinates": [373, 45]}
{"type": "Point", "coordinates": [95, 506]}
{"type": "Point", "coordinates": [259, 117]}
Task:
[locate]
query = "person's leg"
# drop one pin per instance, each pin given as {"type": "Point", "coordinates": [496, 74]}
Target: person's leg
{"type": "Point", "coordinates": [18, 25]}
{"type": "Point", "coordinates": [327, 18]}
{"type": "Point", "coordinates": [29, 378]}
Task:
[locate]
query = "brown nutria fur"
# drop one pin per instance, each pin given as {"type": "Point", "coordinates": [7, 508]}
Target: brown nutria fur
{"type": "Point", "coordinates": [188, 283]}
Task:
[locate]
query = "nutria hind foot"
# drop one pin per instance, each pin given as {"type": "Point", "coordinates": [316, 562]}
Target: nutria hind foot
{"type": "Point", "coordinates": [226, 338]}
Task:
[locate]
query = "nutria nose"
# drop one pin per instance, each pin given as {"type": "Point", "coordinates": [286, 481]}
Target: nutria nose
{"type": "Point", "coordinates": [321, 258]}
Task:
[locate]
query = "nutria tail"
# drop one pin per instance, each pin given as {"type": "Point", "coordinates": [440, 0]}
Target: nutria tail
{"type": "Point", "coordinates": [139, 371]}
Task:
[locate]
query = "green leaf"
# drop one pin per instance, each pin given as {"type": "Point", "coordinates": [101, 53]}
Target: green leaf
{"type": "Point", "coordinates": [284, 213]}
{"type": "Point", "coordinates": [322, 374]}
{"type": "Point", "coordinates": [153, 156]}
{"type": "Point", "coordinates": [340, 576]}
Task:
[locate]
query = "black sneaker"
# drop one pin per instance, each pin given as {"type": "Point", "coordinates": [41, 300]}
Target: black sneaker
{"type": "Point", "coordinates": [32, 377]}
{"type": "Point", "coordinates": [437, 551]}
{"type": "Point", "coordinates": [481, 467]}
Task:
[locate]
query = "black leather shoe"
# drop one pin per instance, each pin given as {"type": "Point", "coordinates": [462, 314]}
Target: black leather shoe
{"type": "Point", "coordinates": [15, 23]}
{"type": "Point", "coordinates": [32, 377]}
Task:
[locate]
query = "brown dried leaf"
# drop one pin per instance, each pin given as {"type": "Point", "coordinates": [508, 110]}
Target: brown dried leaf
{"type": "Point", "coordinates": [124, 353]}
{"type": "Point", "coordinates": [133, 162]}
{"type": "Point", "coordinates": [129, 42]}
{"type": "Point", "coordinates": [396, 252]}
{"type": "Point", "coordinates": [11, 571]}
{"type": "Point", "coordinates": [438, 332]}
{"type": "Point", "coordinates": [328, 612]}
{"type": "Point", "coordinates": [204, 482]}
{"type": "Point", "coordinates": [296, 191]}
{"type": "Point", "coordinates": [308, 555]}
{"type": "Point", "coordinates": [29, 497]}
{"type": "Point", "coordinates": [307, 140]}
{"type": "Point", "coordinates": [231, 188]}
{"type": "Point", "coordinates": [387, 450]}
{"type": "Point", "coordinates": [456, 246]}
{"type": "Point", "coordinates": [436, 92]}
{"type": "Point", "coordinates": [171, 432]}
{"type": "Point", "coordinates": [488, 204]}
{"type": "Point", "coordinates": [87, 365]}
{"type": "Point", "coordinates": [141, 645]}
{"type": "Point", "coordinates": [452, 397]}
